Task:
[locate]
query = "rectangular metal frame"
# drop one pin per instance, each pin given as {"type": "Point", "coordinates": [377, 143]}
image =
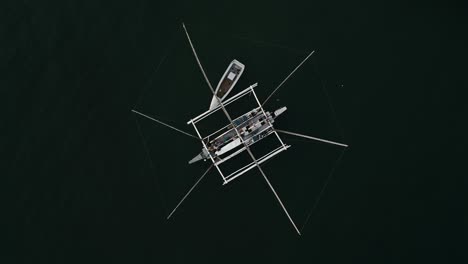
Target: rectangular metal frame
{"type": "Point", "coordinates": [249, 166]}
{"type": "Point", "coordinates": [243, 148]}
{"type": "Point", "coordinates": [252, 165]}
{"type": "Point", "coordinates": [225, 103]}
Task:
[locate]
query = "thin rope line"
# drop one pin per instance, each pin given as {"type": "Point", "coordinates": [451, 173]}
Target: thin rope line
{"type": "Point", "coordinates": [322, 191]}
{"type": "Point", "coordinates": [330, 103]}
{"type": "Point", "coordinates": [257, 42]}
{"type": "Point", "coordinates": [156, 69]}
{"type": "Point", "coordinates": [158, 183]}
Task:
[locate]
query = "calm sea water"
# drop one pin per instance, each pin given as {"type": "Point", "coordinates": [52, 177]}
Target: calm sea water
{"type": "Point", "coordinates": [90, 181]}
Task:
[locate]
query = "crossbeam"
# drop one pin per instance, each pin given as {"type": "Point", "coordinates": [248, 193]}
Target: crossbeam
{"type": "Point", "coordinates": [227, 102]}
{"type": "Point", "coordinates": [227, 126]}
{"type": "Point", "coordinates": [238, 134]}
{"type": "Point", "coordinates": [240, 150]}
{"type": "Point", "coordinates": [252, 165]}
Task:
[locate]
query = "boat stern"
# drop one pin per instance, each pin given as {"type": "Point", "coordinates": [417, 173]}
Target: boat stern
{"type": "Point", "coordinates": [279, 111]}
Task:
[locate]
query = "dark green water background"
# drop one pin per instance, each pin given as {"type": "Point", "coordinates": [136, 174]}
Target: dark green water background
{"type": "Point", "coordinates": [83, 187]}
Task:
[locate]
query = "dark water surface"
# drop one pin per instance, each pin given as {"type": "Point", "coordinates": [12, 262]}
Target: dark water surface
{"type": "Point", "coordinates": [83, 187]}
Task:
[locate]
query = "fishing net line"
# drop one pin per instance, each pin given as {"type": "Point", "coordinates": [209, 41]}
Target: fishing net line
{"type": "Point", "coordinates": [176, 92]}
